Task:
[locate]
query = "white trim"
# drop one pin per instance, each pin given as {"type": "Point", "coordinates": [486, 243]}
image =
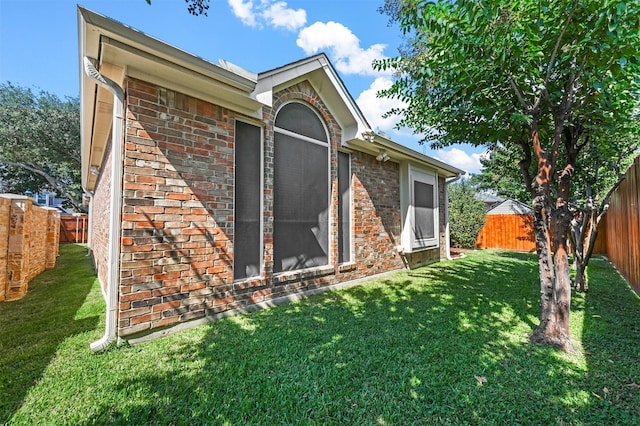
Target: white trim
{"type": "Point", "coordinates": [299, 136]}
{"type": "Point", "coordinates": [409, 242]}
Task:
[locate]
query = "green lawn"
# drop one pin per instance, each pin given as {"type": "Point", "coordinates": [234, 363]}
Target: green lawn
{"type": "Point", "coordinates": [445, 344]}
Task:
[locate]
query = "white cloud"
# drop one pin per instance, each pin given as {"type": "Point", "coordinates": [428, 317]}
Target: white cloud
{"type": "Point", "coordinates": [244, 11]}
{"type": "Point", "coordinates": [460, 159]}
{"type": "Point", "coordinates": [275, 14]}
{"type": "Point", "coordinates": [343, 46]}
{"type": "Point", "coordinates": [279, 16]}
{"type": "Point", "coordinates": [373, 107]}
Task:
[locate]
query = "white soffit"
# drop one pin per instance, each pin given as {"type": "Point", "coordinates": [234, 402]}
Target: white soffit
{"type": "Point", "coordinates": [115, 46]}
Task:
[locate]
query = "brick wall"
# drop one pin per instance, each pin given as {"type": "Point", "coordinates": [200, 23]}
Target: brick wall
{"type": "Point", "coordinates": [100, 227]}
{"type": "Point", "coordinates": [177, 228]}
{"type": "Point", "coordinates": [177, 209]}
{"type": "Point", "coordinates": [376, 214]}
{"type": "Point", "coordinates": [29, 244]}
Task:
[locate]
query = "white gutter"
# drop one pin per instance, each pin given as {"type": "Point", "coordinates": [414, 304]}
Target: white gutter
{"type": "Point", "coordinates": [447, 230]}
{"type": "Point", "coordinates": [113, 273]}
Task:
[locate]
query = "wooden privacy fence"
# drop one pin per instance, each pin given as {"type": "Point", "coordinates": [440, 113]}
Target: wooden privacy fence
{"type": "Point", "coordinates": [508, 232]}
{"type": "Point", "coordinates": [618, 233]}
{"type": "Point", "coordinates": [74, 229]}
{"type": "Point", "coordinates": [623, 226]}
{"type": "Point", "coordinates": [515, 232]}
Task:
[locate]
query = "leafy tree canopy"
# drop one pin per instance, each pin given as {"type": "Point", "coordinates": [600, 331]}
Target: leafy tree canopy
{"type": "Point", "coordinates": [547, 79]}
{"type": "Point", "coordinates": [40, 143]}
{"type": "Point", "coordinates": [195, 7]}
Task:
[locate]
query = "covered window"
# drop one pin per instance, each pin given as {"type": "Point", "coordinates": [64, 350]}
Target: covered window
{"type": "Point", "coordinates": [300, 189]}
{"type": "Point", "coordinates": [420, 228]}
{"type": "Point", "coordinates": [344, 207]}
{"type": "Point", "coordinates": [247, 238]}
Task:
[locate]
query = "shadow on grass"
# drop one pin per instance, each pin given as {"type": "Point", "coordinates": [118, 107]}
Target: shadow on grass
{"type": "Point", "coordinates": [32, 328]}
{"type": "Point", "coordinates": [445, 344]}
{"type": "Point", "coordinates": [442, 344]}
{"type": "Point", "coordinates": [611, 340]}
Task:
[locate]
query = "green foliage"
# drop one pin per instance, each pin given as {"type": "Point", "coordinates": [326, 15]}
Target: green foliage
{"type": "Point", "coordinates": [40, 143]}
{"type": "Point", "coordinates": [482, 71]}
{"type": "Point", "coordinates": [466, 214]}
{"type": "Point", "coordinates": [501, 174]}
{"type": "Point", "coordinates": [412, 348]}
{"type": "Point", "coordinates": [195, 7]}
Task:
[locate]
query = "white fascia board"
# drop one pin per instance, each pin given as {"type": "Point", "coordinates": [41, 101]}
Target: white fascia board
{"type": "Point", "coordinates": [444, 169]}
{"type": "Point", "coordinates": [139, 40]}
{"type": "Point", "coordinates": [87, 46]}
{"type": "Point", "coordinates": [144, 57]}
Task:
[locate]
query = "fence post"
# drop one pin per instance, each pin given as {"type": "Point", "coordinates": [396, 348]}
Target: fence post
{"type": "Point", "coordinates": [5, 210]}
{"type": "Point", "coordinates": [52, 244]}
{"type": "Point", "coordinates": [18, 248]}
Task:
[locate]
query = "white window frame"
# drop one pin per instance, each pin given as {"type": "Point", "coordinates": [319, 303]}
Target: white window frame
{"type": "Point", "coordinates": [409, 241]}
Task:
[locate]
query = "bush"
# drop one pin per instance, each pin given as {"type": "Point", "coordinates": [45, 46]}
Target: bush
{"type": "Point", "coordinates": [466, 215]}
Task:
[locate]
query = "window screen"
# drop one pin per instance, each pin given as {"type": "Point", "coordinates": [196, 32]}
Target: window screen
{"type": "Point", "coordinates": [423, 227]}
{"type": "Point", "coordinates": [299, 119]}
{"type": "Point", "coordinates": [247, 231]}
{"type": "Point", "coordinates": [301, 193]}
{"type": "Point", "coordinates": [344, 208]}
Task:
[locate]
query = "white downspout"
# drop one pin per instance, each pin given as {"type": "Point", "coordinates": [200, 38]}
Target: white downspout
{"type": "Point", "coordinates": [89, 221]}
{"type": "Point", "coordinates": [113, 273]}
{"type": "Point", "coordinates": [446, 215]}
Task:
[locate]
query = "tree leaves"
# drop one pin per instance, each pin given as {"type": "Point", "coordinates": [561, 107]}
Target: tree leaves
{"type": "Point", "coordinates": [40, 143]}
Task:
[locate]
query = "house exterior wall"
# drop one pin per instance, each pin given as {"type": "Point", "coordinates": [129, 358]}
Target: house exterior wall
{"type": "Point", "coordinates": [100, 208]}
{"type": "Point", "coordinates": [376, 214]}
{"type": "Point", "coordinates": [178, 217]}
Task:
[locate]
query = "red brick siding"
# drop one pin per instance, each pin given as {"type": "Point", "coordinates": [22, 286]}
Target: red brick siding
{"type": "Point", "coordinates": [100, 208]}
{"type": "Point", "coordinates": [177, 240]}
{"type": "Point", "coordinates": [376, 214]}
{"type": "Point", "coordinates": [177, 209]}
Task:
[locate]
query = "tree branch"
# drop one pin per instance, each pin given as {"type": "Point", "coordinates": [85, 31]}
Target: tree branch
{"type": "Point", "coordinates": [52, 181]}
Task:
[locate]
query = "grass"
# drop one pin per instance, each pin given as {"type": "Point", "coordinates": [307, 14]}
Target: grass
{"type": "Point", "coordinates": [445, 344]}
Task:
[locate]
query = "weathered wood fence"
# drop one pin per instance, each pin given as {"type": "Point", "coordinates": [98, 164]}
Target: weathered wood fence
{"type": "Point", "coordinates": [623, 227]}
{"type": "Point", "coordinates": [74, 229]}
{"type": "Point", "coordinates": [618, 233]}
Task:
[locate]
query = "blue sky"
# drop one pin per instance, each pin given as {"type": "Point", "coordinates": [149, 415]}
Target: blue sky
{"type": "Point", "coordinates": [39, 47]}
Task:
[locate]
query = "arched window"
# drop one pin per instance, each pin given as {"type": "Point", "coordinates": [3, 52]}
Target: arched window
{"type": "Point", "coordinates": [300, 189]}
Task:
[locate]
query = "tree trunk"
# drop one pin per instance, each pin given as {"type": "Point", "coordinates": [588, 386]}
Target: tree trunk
{"type": "Point", "coordinates": [555, 282]}
{"type": "Point", "coordinates": [582, 280]}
